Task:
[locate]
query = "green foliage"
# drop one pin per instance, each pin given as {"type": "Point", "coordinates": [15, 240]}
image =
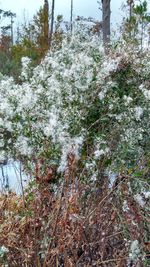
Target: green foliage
{"type": "Point", "coordinates": [32, 42]}
{"type": "Point", "coordinates": [137, 25]}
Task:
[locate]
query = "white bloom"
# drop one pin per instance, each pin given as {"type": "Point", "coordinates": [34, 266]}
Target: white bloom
{"type": "Point", "coordinates": [8, 126]}
{"type": "Point", "coordinates": [139, 199]}
{"type": "Point", "coordinates": [119, 117]}
{"type": "Point", "coordinates": [25, 67]}
{"type": "Point", "coordinates": [110, 65]}
{"type": "Point", "coordinates": [3, 250]}
{"type": "Point", "coordinates": [125, 206]}
{"type": "Point", "coordinates": [112, 178]}
{"type": "Point", "coordinates": [146, 194]}
{"type": "Point", "coordinates": [99, 152]}
{"type": "Point", "coordinates": [25, 61]}
{"type": "Point", "coordinates": [27, 98]}
{"type": "Point", "coordinates": [138, 112]}
{"type": "Point", "coordinates": [50, 129]}
{"type": "Point", "coordinates": [71, 146]}
{"type": "Point", "coordinates": [134, 250]}
{"type": "Point", "coordinates": [127, 99]}
{"type": "Point", "coordinates": [93, 177]}
{"type": "Point", "coordinates": [145, 92]}
{"type": "Point", "coordinates": [102, 94]}
{"type": "Point", "coordinates": [90, 166]}
{"type": "Point", "coordinates": [23, 146]}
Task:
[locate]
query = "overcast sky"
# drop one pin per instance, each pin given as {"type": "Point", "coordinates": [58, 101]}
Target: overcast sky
{"type": "Point", "coordinates": [81, 7]}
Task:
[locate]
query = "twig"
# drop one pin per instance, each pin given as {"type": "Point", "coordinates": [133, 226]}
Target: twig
{"type": "Point", "coordinates": [111, 260]}
{"type": "Point", "coordinates": [105, 198]}
{"type": "Point", "coordinates": [107, 237]}
{"type": "Point", "coordinates": [55, 225]}
{"type": "Point", "coordinates": [21, 183]}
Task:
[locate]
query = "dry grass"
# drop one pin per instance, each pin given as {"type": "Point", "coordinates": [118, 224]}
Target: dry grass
{"type": "Point", "coordinates": [77, 226]}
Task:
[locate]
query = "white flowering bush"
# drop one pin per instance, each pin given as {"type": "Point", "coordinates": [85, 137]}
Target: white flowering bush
{"type": "Point", "coordinates": [84, 115]}
{"type": "Point", "coordinates": [77, 95]}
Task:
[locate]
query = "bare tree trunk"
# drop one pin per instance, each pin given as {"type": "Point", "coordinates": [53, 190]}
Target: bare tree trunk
{"type": "Point", "coordinates": [52, 22]}
{"type": "Point", "coordinates": [106, 22]}
{"type": "Point", "coordinates": [71, 16]}
{"type": "Point", "coordinates": [12, 34]}
{"type": "Point", "coordinates": [130, 3]}
{"type": "Point", "coordinates": [46, 22]}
